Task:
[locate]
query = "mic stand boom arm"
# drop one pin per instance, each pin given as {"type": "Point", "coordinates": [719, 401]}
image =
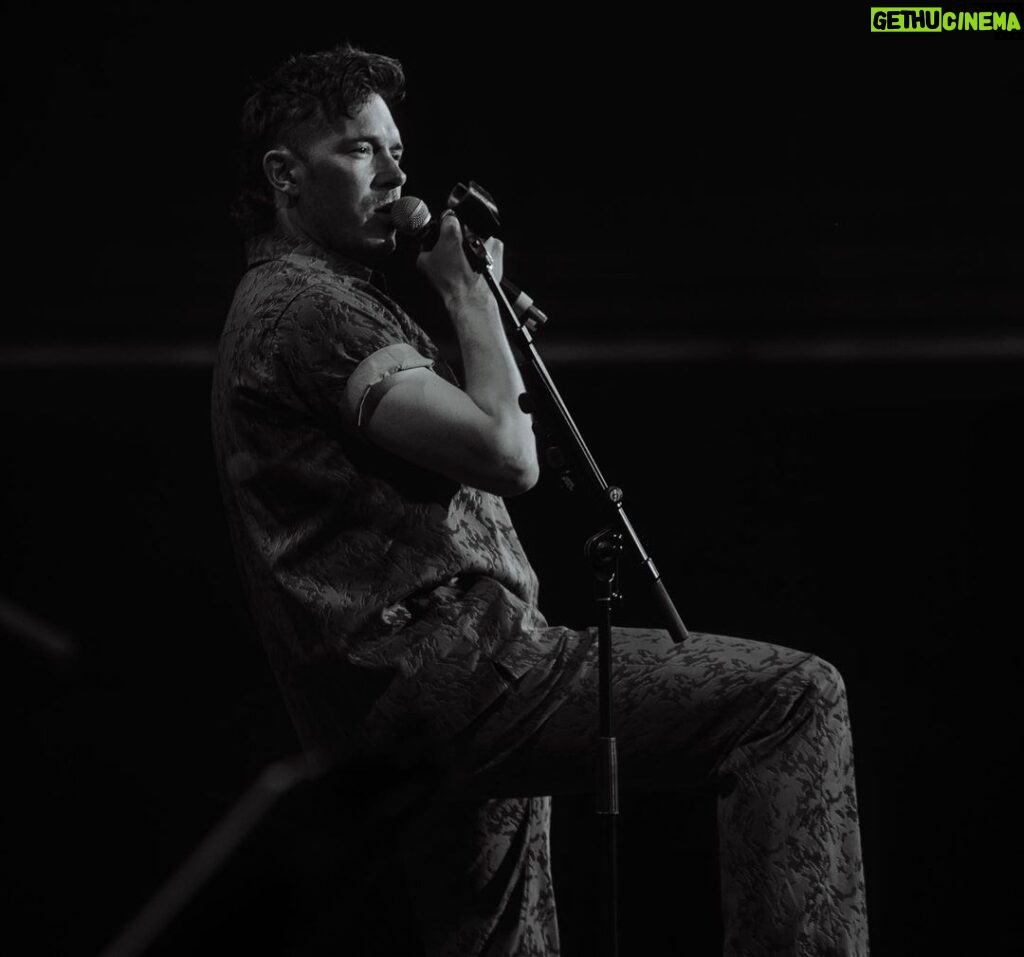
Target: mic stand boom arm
{"type": "Point", "coordinates": [556, 416]}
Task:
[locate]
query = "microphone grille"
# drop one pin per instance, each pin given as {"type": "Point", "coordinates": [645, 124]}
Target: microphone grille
{"type": "Point", "coordinates": [409, 215]}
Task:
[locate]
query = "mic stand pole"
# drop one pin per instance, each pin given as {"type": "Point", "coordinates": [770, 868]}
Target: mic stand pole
{"type": "Point", "coordinates": [602, 549]}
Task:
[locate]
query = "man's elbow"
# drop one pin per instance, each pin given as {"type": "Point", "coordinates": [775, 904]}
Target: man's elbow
{"type": "Point", "coordinates": [517, 469]}
{"type": "Point", "coordinates": [521, 478]}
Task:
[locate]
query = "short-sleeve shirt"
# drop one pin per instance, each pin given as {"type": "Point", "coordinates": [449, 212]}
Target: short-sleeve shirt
{"type": "Point", "coordinates": [359, 566]}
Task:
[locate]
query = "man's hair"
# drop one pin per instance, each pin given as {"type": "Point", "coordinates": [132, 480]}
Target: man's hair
{"type": "Point", "coordinates": [306, 92]}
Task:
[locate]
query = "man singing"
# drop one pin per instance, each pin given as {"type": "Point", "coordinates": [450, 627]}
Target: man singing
{"type": "Point", "coordinates": [363, 482]}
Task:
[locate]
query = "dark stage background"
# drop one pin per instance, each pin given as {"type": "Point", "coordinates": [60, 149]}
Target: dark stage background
{"type": "Point", "coordinates": [784, 270]}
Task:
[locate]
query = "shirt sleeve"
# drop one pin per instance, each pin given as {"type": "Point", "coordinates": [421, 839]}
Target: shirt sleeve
{"type": "Point", "coordinates": [340, 349]}
{"type": "Point", "coordinates": [374, 376]}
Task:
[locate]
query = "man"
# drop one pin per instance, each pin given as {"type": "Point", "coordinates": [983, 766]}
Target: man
{"type": "Point", "coordinates": [363, 485]}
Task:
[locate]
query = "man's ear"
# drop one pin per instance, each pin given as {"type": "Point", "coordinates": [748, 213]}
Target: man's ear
{"type": "Point", "coordinates": [283, 170]}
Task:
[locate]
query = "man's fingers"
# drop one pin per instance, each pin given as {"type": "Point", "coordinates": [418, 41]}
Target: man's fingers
{"type": "Point", "coordinates": [451, 229]}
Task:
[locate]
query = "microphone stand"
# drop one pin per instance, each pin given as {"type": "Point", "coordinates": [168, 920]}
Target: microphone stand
{"type": "Point", "coordinates": [602, 550]}
{"type": "Point", "coordinates": [557, 418]}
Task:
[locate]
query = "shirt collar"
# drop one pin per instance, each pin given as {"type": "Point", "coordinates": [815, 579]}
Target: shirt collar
{"type": "Point", "coordinates": [271, 246]}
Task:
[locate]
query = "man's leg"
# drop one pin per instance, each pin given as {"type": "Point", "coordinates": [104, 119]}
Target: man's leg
{"type": "Point", "coordinates": [768, 725]}
{"type": "Point", "coordinates": [481, 879]}
{"type": "Point", "coordinates": [792, 873]}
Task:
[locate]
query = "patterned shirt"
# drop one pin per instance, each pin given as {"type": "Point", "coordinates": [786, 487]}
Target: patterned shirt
{"type": "Point", "coordinates": [358, 565]}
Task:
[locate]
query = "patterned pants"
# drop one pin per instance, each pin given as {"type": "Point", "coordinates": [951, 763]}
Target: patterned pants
{"type": "Point", "coordinates": [767, 725]}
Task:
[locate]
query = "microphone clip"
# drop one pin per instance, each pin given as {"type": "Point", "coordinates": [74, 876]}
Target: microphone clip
{"type": "Point", "coordinates": [475, 208]}
{"type": "Point", "coordinates": [478, 213]}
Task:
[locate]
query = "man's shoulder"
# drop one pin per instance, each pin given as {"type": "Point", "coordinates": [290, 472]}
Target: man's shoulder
{"type": "Point", "coordinates": [295, 295]}
{"type": "Point", "coordinates": [279, 294]}
{"type": "Point", "coordinates": [297, 280]}
{"type": "Point", "coordinates": [341, 305]}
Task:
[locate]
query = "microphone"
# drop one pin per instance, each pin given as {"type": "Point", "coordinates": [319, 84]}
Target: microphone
{"type": "Point", "coordinates": [411, 217]}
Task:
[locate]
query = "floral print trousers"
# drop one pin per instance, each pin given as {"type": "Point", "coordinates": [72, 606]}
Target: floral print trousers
{"type": "Point", "coordinates": [766, 725]}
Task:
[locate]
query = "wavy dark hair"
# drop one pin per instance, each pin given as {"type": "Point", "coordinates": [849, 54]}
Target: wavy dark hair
{"type": "Point", "coordinates": [306, 92]}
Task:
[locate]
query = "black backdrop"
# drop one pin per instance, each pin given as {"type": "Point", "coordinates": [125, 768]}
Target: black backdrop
{"type": "Point", "coordinates": [783, 264]}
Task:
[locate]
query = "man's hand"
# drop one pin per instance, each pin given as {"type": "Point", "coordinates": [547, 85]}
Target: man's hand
{"type": "Point", "coordinates": [448, 269]}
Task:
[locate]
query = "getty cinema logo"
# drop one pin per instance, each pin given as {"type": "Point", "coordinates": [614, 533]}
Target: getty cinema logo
{"type": "Point", "coordinates": [934, 20]}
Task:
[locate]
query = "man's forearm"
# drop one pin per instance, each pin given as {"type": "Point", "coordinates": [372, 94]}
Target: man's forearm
{"type": "Point", "coordinates": [492, 378]}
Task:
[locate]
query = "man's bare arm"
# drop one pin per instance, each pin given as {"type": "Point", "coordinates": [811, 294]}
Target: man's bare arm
{"type": "Point", "coordinates": [478, 435]}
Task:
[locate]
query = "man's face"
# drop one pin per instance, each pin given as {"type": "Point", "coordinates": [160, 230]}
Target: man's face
{"type": "Point", "coordinates": [345, 174]}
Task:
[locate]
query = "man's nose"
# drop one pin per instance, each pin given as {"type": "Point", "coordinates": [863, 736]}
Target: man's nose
{"type": "Point", "coordinates": [389, 173]}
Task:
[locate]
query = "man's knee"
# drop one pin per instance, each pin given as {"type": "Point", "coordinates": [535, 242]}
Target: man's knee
{"type": "Point", "coordinates": [812, 693]}
{"type": "Point", "coordinates": [823, 680]}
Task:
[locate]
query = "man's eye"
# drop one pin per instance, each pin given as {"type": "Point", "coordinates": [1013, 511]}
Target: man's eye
{"type": "Point", "coordinates": [361, 149]}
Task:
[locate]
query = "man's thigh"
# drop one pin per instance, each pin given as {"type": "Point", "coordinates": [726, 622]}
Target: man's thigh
{"type": "Point", "coordinates": [677, 712]}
